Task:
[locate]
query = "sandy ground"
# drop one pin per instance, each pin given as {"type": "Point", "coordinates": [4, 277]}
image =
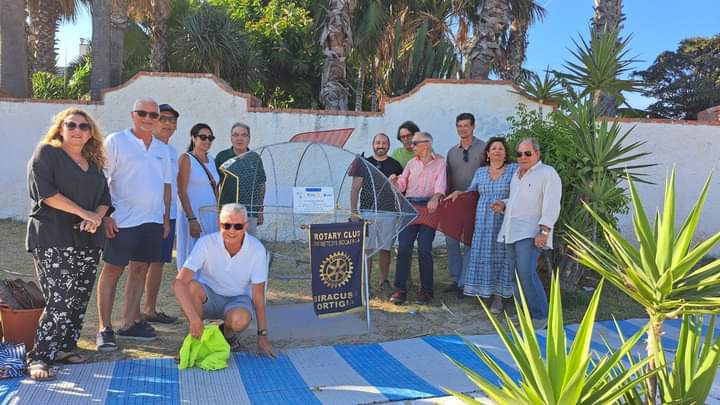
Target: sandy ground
{"type": "Point", "coordinates": [290, 283]}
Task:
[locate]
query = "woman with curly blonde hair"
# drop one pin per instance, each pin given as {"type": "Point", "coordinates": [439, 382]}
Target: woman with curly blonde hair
{"type": "Point", "coordinates": [69, 197]}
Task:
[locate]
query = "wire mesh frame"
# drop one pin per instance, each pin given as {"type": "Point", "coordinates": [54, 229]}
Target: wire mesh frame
{"type": "Point", "coordinates": [304, 164]}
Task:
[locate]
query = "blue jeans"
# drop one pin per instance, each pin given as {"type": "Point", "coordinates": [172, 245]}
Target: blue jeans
{"type": "Point", "coordinates": [406, 239]}
{"type": "Point", "coordinates": [458, 257]}
{"type": "Point", "coordinates": [523, 256]}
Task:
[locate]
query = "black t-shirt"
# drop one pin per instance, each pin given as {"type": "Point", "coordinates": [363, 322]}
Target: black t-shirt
{"type": "Point", "coordinates": [377, 193]}
{"type": "Point", "coordinates": [52, 171]}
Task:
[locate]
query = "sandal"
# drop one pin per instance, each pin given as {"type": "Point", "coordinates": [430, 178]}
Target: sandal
{"type": "Point", "coordinates": [234, 342]}
{"type": "Point", "coordinates": [69, 358]}
{"type": "Point", "coordinates": [39, 366]}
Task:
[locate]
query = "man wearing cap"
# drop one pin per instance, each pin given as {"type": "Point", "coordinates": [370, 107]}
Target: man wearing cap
{"type": "Point", "coordinates": [139, 177]}
{"type": "Point", "coordinates": [165, 128]}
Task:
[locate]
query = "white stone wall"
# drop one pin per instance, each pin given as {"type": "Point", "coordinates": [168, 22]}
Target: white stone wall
{"type": "Point", "coordinates": [694, 149]}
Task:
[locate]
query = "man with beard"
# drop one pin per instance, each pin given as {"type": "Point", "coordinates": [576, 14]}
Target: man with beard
{"type": "Point", "coordinates": [377, 202]}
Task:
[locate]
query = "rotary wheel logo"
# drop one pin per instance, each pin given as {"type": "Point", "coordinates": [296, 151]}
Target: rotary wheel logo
{"type": "Point", "coordinates": [336, 270]}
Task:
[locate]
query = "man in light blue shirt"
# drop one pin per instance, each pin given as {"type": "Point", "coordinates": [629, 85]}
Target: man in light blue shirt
{"type": "Point", "coordinates": [530, 215]}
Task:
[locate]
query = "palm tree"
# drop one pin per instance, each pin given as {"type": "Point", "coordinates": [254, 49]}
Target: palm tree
{"type": "Point", "coordinates": [336, 42]}
{"type": "Point", "coordinates": [45, 16]}
{"type": "Point", "coordinates": [13, 49]}
{"type": "Point", "coordinates": [608, 17]}
{"type": "Point", "coordinates": [119, 17]}
{"type": "Point", "coordinates": [100, 75]}
{"type": "Point", "coordinates": [155, 13]}
{"type": "Point", "coordinates": [499, 25]}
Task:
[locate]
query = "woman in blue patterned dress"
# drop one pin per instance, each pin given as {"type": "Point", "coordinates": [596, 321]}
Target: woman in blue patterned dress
{"type": "Point", "coordinates": [488, 274]}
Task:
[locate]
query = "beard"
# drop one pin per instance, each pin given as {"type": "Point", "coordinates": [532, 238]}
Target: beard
{"type": "Point", "coordinates": [380, 151]}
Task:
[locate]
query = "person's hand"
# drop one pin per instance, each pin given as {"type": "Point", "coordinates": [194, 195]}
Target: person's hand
{"type": "Point", "coordinates": [111, 228]}
{"type": "Point", "coordinates": [196, 328]}
{"type": "Point", "coordinates": [87, 226]}
{"type": "Point", "coordinates": [393, 178]}
{"type": "Point", "coordinates": [92, 217]}
{"type": "Point", "coordinates": [355, 216]}
{"type": "Point", "coordinates": [498, 207]}
{"type": "Point", "coordinates": [541, 241]}
{"type": "Point", "coordinates": [195, 229]}
{"type": "Point", "coordinates": [453, 196]}
{"type": "Point", "coordinates": [265, 347]}
{"type": "Point", "coordinates": [432, 205]}
{"type": "Point", "coordinates": [260, 218]}
{"type": "Point", "coordinates": [166, 227]}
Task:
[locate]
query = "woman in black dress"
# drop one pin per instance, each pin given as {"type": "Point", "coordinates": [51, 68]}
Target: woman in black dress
{"type": "Point", "coordinates": [69, 197]}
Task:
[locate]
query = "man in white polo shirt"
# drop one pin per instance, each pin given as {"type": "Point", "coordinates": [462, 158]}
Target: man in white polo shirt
{"type": "Point", "coordinates": [139, 176]}
{"type": "Point", "coordinates": [224, 278]}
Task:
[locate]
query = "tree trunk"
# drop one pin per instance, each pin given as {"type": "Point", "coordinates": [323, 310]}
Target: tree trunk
{"type": "Point", "coordinates": [360, 89]}
{"type": "Point", "coordinates": [654, 348]}
{"type": "Point", "coordinates": [118, 25]}
{"type": "Point", "coordinates": [100, 74]}
{"type": "Point", "coordinates": [516, 49]}
{"type": "Point", "coordinates": [608, 17]}
{"type": "Point", "coordinates": [486, 46]}
{"type": "Point", "coordinates": [336, 43]}
{"type": "Point", "coordinates": [13, 49]}
{"type": "Point", "coordinates": [374, 93]}
{"type": "Point", "coordinates": [44, 19]}
{"type": "Point", "coordinates": [158, 35]}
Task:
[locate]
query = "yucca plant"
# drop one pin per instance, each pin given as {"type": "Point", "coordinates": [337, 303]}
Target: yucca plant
{"type": "Point", "coordinates": [661, 272]}
{"type": "Point", "coordinates": [545, 90]}
{"type": "Point", "coordinates": [561, 376]}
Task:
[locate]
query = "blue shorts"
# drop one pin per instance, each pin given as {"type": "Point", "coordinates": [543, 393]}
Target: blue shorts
{"type": "Point", "coordinates": [168, 244]}
{"type": "Point", "coordinates": [142, 243]}
{"type": "Point", "coordinates": [216, 306]}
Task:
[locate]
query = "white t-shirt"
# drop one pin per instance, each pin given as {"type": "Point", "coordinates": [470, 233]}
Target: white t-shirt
{"type": "Point", "coordinates": [136, 177]}
{"type": "Point", "coordinates": [226, 275]}
{"type": "Point", "coordinates": [173, 183]}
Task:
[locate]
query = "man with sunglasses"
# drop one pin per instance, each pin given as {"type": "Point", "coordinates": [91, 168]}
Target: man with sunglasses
{"type": "Point", "coordinates": [139, 176]}
{"type": "Point", "coordinates": [530, 214]}
{"type": "Point", "coordinates": [224, 278]}
{"type": "Point", "coordinates": [463, 160]}
{"type": "Point", "coordinates": [164, 130]}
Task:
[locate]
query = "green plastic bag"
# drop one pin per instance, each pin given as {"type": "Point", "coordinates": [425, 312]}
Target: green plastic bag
{"type": "Point", "coordinates": [210, 352]}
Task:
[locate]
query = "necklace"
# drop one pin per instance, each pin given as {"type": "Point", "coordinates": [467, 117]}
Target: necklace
{"type": "Point", "coordinates": [499, 167]}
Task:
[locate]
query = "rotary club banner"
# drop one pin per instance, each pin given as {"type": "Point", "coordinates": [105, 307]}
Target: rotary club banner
{"type": "Point", "coordinates": [336, 264]}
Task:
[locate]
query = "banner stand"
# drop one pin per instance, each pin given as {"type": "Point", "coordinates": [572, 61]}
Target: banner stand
{"type": "Point", "coordinates": [365, 276]}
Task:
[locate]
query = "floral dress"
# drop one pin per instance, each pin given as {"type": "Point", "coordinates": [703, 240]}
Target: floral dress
{"type": "Point", "coordinates": [488, 273]}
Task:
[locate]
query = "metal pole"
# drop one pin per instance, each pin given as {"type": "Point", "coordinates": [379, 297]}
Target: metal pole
{"type": "Point", "coordinates": [367, 289]}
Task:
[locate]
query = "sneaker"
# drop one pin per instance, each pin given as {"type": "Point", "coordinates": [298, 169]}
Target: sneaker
{"type": "Point", "coordinates": [496, 308]}
{"type": "Point", "coordinates": [399, 296]}
{"type": "Point", "coordinates": [385, 286]}
{"type": "Point", "coordinates": [160, 317]}
{"type": "Point", "coordinates": [423, 297]}
{"type": "Point", "coordinates": [138, 331]}
{"type": "Point", "coordinates": [105, 340]}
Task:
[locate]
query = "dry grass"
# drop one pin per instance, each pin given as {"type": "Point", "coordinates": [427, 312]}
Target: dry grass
{"type": "Point", "coordinates": [290, 283]}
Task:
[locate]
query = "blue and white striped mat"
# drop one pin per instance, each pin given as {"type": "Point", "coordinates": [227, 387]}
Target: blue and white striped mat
{"type": "Point", "coordinates": [344, 374]}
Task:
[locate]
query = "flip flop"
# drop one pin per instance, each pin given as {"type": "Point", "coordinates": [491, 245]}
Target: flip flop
{"type": "Point", "coordinates": [39, 365]}
{"type": "Point", "coordinates": [69, 358]}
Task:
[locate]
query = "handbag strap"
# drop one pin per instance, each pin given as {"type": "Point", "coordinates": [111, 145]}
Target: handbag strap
{"type": "Point", "coordinates": [213, 184]}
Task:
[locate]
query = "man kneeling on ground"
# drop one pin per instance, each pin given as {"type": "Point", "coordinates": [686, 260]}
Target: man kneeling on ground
{"type": "Point", "coordinates": [232, 269]}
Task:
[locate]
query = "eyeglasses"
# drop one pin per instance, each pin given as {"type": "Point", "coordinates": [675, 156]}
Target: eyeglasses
{"type": "Point", "coordinates": [226, 226]}
{"type": "Point", "coordinates": [204, 137]}
{"type": "Point", "coordinates": [416, 143]}
{"type": "Point", "coordinates": [527, 153]}
{"type": "Point", "coordinates": [71, 126]}
{"type": "Point", "coordinates": [466, 153]}
{"type": "Point", "coordinates": [143, 114]}
{"type": "Point", "coordinates": [165, 118]}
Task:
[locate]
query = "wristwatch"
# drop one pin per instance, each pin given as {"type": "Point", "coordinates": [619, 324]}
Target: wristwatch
{"type": "Point", "coordinates": [262, 332]}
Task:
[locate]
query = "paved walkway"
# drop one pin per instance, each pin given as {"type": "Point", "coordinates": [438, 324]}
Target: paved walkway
{"type": "Point", "coordinates": [406, 370]}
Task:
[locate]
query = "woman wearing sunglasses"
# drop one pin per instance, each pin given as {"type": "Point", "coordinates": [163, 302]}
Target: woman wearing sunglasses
{"type": "Point", "coordinates": [197, 187]}
{"type": "Point", "coordinates": [69, 197]}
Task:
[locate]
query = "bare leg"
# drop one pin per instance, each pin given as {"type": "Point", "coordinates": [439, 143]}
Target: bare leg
{"type": "Point", "coordinates": [106, 288]}
{"type": "Point", "coordinates": [236, 321]}
{"type": "Point", "coordinates": [384, 261]}
{"type": "Point", "coordinates": [133, 292]}
{"type": "Point", "coordinates": [152, 287]}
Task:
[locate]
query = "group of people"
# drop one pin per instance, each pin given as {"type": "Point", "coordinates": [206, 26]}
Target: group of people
{"type": "Point", "coordinates": [517, 207]}
{"type": "Point", "coordinates": [128, 199]}
{"type": "Point", "coordinates": [121, 197]}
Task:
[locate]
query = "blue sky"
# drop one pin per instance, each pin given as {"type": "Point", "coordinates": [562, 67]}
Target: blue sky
{"type": "Point", "coordinates": [656, 25]}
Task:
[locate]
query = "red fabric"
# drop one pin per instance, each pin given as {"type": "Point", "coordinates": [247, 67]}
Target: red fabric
{"type": "Point", "coordinates": [454, 219]}
{"type": "Point", "coordinates": [334, 137]}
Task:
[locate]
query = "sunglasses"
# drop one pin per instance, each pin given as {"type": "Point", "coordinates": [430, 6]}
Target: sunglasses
{"type": "Point", "coordinates": [143, 114]}
{"type": "Point", "coordinates": [165, 118]}
{"type": "Point", "coordinates": [527, 153]}
{"type": "Point", "coordinates": [416, 143]}
{"type": "Point", "coordinates": [204, 137]}
{"type": "Point", "coordinates": [466, 155]}
{"type": "Point", "coordinates": [226, 226]}
{"type": "Point", "coordinates": [83, 126]}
